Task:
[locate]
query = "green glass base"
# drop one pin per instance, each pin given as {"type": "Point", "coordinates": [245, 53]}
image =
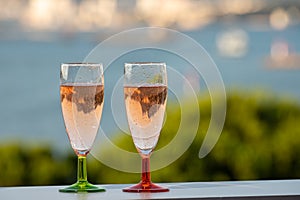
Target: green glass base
{"type": "Point", "coordinates": [82, 187]}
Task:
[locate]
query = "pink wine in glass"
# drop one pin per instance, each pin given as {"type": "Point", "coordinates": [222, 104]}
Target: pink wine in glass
{"type": "Point", "coordinates": [145, 107]}
{"type": "Point", "coordinates": [82, 108]}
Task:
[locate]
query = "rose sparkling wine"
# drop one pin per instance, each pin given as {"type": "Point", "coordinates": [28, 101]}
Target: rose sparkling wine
{"type": "Point", "coordinates": [145, 108]}
{"type": "Point", "coordinates": [82, 106]}
{"type": "Point", "coordinates": [81, 98]}
{"type": "Point", "coordinates": [145, 92]}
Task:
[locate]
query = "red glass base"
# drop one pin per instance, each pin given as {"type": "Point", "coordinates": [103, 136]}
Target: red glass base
{"type": "Point", "coordinates": [148, 187]}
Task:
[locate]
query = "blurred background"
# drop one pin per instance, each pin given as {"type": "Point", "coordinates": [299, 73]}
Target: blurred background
{"type": "Point", "coordinates": [254, 43]}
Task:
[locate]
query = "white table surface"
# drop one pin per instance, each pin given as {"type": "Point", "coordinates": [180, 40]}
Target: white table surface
{"type": "Point", "coordinates": [276, 189]}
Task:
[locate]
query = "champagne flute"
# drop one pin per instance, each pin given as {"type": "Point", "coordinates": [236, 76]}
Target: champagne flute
{"type": "Point", "coordinates": [145, 89]}
{"type": "Point", "coordinates": [81, 96]}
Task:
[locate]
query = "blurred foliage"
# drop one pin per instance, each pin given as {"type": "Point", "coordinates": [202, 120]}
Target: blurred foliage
{"type": "Point", "coordinates": [260, 140]}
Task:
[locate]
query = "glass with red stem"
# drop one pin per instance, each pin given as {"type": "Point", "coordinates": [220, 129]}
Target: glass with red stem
{"type": "Point", "coordinates": [145, 90]}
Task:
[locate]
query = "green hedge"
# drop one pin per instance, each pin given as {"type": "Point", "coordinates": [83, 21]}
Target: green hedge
{"type": "Point", "coordinates": [260, 140]}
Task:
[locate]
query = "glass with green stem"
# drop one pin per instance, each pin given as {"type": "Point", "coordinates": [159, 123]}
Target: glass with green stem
{"type": "Point", "coordinates": [81, 96]}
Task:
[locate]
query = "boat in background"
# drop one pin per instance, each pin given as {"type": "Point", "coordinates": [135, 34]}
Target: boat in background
{"type": "Point", "coordinates": [281, 57]}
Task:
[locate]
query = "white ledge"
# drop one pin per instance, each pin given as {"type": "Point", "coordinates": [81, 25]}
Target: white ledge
{"type": "Point", "coordinates": [244, 190]}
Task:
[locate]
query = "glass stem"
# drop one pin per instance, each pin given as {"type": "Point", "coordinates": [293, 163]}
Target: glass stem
{"type": "Point", "coordinates": [81, 169]}
{"type": "Point", "coordinates": [146, 176]}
